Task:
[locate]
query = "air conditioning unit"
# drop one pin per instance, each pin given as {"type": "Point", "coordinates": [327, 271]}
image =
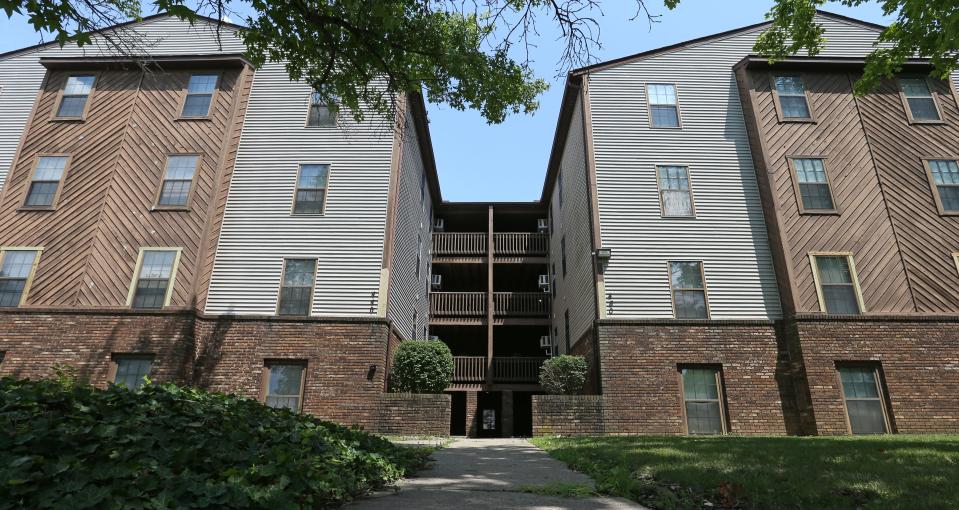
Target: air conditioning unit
{"type": "Point", "coordinates": [542, 226]}
{"type": "Point", "coordinates": [544, 282]}
{"type": "Point", "coordinates": [434, 338]}
{"type": "Point", "coordinates": [545, 342]}
{"type": "Point", "coordinates": [439, 225]}
{"type": "Point", "coordinates": [436, 281]}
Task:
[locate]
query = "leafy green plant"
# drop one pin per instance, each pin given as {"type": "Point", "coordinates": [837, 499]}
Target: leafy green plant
{"type": "Point", "coordinates": [422, 366]}
{"type": "Point", "coordinates": [75, 446]}
{"type": "Point", "coordinates": [563, 375]}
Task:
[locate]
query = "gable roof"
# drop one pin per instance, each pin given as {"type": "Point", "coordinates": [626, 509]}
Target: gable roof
{"type": "Point", "coordinates": [212, 21]}
{"type": "Point", "coordinates": [575, 79]}
{"type": "Point", "coordinates": [712, 37]}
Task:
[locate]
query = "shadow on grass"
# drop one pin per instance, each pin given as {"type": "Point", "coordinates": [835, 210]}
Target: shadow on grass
{"type": "Point", "coordinates": [877, 472]}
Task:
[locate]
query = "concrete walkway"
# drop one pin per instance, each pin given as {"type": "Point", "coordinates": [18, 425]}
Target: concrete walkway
{"type": "Point", "coordinates": [489, 474]}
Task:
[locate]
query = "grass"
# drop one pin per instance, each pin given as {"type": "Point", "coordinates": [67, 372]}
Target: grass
{"type": "Point", "coordinates": [822, 473]}
{"type": "Point", "coordinates": [559, 489]}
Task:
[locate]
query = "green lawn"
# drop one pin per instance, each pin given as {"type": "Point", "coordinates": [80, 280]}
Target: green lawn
{"type": "Point", "coordinates": [875, 472]}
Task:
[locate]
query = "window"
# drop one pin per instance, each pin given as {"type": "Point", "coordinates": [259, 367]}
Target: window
{"type": "Point", "coordinates": [702, 400]}
{"type": "Point", "coordinates": [559, 188]}
{"type": "Point", "coordinates": [920, 103]}
{"type": "Point", "coordinates": [838, 288]}
{"type": "Point", "coordinates": [663, 108]}
{"type": "Point", "coordinates": [566, 325]}
{"type": "Point", "coordinates": [73, 101]}
{"type": "Point", "coordinates": [689, 290]}
{"type": "Point", "coordinates": [284, 386]}
{"type": "Point", "coordinates": [17, 267]}
{"type": "Point", "coordinates": [45, 184]}
{"type": "Point", "coordinates": [419, 253]}
{"type": "Point", "coordinates": [562, 250]}
{"type": "Point", "coordinates": [199, 95]}
{"type": "Point", "coordinates": [944, 179]}
{"type": "Point", "coordinates": [310, 196]}
{"type": "Point", "coordinates": [156, 272]}
{"type": "Point", "coordinates": [812, 184]}
{"type": "Point", "coordinates": [865, 403]}
{"type": "Point", "coordinates": [132, 370]}
{"type": "Point", "coordinates": [791, 98]}
{"type": "Point", "coordinates": [320, 115]}
{"type": "Point", "coordinates": [955, 258]}
{"type": "Point", "coordinates": [675, 195]}
{"type": "Point", "coordinates": [296, 291]}
{"type": "Point", "coordinates": [177, 180]}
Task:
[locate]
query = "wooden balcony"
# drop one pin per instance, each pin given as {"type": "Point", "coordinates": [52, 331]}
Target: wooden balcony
{"type": "Point", "coordinates": [460, 244]}
{"type": "Point", "coordinates": [520, 304]}
{"type": "Point", "coordinates": [458, 304]}
{"type": "Point", "coordinates": [471, 370]}
{"type": "Point", "coordinates": [517, 370]}
{"type": "Point", "coordinates": [515, 244]}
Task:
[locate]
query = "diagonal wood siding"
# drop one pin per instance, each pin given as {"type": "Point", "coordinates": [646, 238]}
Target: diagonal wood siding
{"type": "Point", "coordinates": [888, 220]}
{"type": "Point", "coordinates": [118, 156]}
{"type": "Point", "coordinates": [927, 240]}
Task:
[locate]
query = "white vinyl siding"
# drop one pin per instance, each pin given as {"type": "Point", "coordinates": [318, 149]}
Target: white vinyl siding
{"type": "Point", "coordinates": [729, 233]}
{"type": "Point", "coordinates": [21, 73]}
{"type": "Point", "coordinates": [259, 229]}
{"type": "Point", "coordinates": [575, 291]}
{"type": "Point", "coordinates": [408, 304]}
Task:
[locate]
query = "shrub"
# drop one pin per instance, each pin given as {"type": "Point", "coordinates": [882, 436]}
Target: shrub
{"type": "Point", "coordinates": [563, 375]}
{"type": "Point", "coordinates": [75, 446]}
{"type": "Point", "coordinates": [422, 366]}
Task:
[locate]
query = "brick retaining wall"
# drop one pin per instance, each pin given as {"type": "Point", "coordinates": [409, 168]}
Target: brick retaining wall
{"type": "Point", "coordinates": [568, 415]}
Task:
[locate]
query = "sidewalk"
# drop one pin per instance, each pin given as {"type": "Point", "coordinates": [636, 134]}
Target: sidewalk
{"type": "Point", "coordinates": [489, 473]}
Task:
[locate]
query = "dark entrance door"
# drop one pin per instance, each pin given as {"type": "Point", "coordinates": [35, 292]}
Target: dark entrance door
{"type": "Point", "coordinates": [488, 409]}
{"type": "Point", "coordinates": [458, 413]}
{"type": "Point", "coordinates": [522, 414]}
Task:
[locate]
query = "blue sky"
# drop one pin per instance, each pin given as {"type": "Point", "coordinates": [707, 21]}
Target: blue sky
{"type": "Point", "coordinates": [507, 162]}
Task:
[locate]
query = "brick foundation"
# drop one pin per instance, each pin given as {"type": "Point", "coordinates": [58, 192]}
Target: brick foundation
{"type": "Point", "coordinates": [568, 415]}
{"type": "Point", "coordinates": [641, 382]}
{"type": "Point", "coordinates": [346, 358]}
{"type": "Point", "coordinates": [413, 414]}
{"type": "Point", "coordinates": [919, 361]}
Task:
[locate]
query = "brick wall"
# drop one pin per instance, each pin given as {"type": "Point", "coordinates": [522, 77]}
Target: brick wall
{"type": "Point", "coordinates": [586, 347]}
{"type": "Point", "coordinates": [340, 384]}
{"type": "Point", "coordinates": [568, 415]}
{"type": "Point", "coordinates": [34, 342]}
{"type": "Point", "coordinates": [413, 414]}
{"type": "Point", "coordinates": [641, 383]}
{"type": "Point", "coordinates": [346, 358]}
{"type": "Point", "coordinates": [919, 360]}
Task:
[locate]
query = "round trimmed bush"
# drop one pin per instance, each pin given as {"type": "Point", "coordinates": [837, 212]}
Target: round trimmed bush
{"type": "Point", "coordinates": [563, 375]}
{"type": "Point", "coordinates": [422, 366]}
{"type": "Point", "coordinates": [73, 446]}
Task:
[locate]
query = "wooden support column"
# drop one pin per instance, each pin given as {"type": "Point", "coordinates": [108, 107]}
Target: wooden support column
{"type": "Point", "coordinates": [489, 299]}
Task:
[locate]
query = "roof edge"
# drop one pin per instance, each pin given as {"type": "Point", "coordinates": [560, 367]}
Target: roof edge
{"type": "Point", "coordinates": [421, 125]}
{"type": "Point", "coordinates": [151, 17]}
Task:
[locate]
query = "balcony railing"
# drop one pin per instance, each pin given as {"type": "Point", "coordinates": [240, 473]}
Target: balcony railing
{"type": "Point", "coordinates": [506, 370]}
{"type": "Point", "coordinates": [445, 304]}
{"type": "Point", "coordinates": [520, 304]}
{"type": "Point", "coordinates": [524, 370]}
{"type": "Point", "coordinates": [520, 243]}
{"type": "Point", "coordinates": [469, 369]}
{"type": "Point", "coordinates": [459, 243]}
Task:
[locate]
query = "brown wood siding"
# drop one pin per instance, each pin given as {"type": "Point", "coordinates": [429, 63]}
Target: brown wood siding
{"type": "Point", "coordinates": [863, 228]}
{"type": "Point", "coordinates": [927, 240]}
{"type": "Point", "coordinates": [118, 157]}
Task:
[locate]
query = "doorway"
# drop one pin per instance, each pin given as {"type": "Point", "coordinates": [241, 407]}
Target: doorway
{"type": "Point", "coordinates": [458, 413]}
{"type": "Point", "coordinates": [489, 414]}
{"type": "Point", "coordinates": [522, 414]}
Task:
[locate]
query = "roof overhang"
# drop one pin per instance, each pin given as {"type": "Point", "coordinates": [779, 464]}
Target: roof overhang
{"type": "Point", "coordinates": [218, 60]}
{"type": "Point", "coordinates": [823, 64]}
{"type": "Point", "coordinates": [421, 124]}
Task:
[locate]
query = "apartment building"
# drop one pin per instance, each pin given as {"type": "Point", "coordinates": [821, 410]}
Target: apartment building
{"type": "Point", "coordinates": [734, 246]}
{"type": "Point", "coordinates": [769, 253]}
